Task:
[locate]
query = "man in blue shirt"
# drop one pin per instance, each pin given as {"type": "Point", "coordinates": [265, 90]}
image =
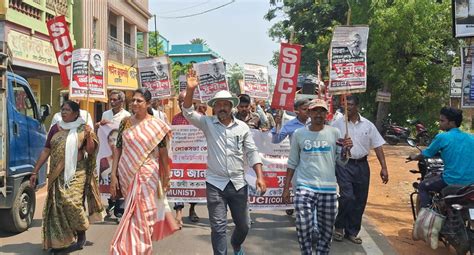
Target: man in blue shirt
{"type": "Point", "coordinates": [301, 110]}
{"type": "Point", "coordinates": [456, 149]}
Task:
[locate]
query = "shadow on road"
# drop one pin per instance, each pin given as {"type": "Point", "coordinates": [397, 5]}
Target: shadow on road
{"type": "Point", "coordinates": [22, 248]}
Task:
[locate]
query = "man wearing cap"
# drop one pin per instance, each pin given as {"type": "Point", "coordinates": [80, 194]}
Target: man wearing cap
{"type": "Point", "coordinates": [229, 141]}
{"type": "Point", "coordinates": [313, 155]}
{"type": "Point", "coordinates": [353, 178]}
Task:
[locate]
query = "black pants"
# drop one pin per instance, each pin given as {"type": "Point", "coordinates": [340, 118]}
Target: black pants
{"type": "Point", "coordinates": [353, 180]}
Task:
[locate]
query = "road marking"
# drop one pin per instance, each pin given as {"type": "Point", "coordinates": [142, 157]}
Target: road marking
{"type": "Point", "coordinates": [368, 243]}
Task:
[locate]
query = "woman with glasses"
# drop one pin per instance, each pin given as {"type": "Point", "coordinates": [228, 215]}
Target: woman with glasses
{"type": "Point", "coordinates": [140, 171]}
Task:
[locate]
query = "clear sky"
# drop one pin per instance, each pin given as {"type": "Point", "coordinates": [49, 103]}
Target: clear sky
{"type": "Point", "coordinates": [238, 31]}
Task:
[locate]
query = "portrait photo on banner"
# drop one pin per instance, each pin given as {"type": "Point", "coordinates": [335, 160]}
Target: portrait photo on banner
{"type": "Point", "coordinates": [155, 75]}
{"type": "Point", "coordinates": [107, 135]}
{"type": "Point", "coordinates": [211, 76]}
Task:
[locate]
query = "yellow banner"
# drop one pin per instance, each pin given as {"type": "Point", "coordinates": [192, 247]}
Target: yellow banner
{"type": "Point", "coordinates": [121, 76]}
{"type": "Point", "coordinates": [32, 49]}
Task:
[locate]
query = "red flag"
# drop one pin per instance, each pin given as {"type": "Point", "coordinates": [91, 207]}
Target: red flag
{"type": "Point", "coordinates": [62, 45]}
{"type": "Point", "coordinates": [288, 69]}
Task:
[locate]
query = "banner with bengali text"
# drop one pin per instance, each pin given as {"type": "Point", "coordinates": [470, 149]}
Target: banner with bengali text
{"type": "Point", "coordinates": [87, 75]}
{"type": "Point", "coordinates": [256, 81]}
{"type": "Point", "coordinates": [211, 76]}
{"type": "Point", "coordinates": [155, 75]}
{"type": "Point", "coordinates": [189, 164]}
{"type": "Point", "coordinates": [348, 60]}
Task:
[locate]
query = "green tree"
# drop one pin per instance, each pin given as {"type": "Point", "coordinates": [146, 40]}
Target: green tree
{"type": "Point", "coordinates": [409, 50]}
{"type": "Point", "coordinates": [155, 48]}
{"type": "Point", "coordinates": [235, 73]}
{"type": "Point", "coordinates": [312, 23]}
{"type": "Point", "coordinates": [198, 41]}
{"type": "Point", "coordinates": [177, 70]}
{"type": "Point", "coordinates": [410, 55]}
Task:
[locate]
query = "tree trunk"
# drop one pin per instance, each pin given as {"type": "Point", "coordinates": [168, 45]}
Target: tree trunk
{"type": "Point", "coordinates": [382, 110]}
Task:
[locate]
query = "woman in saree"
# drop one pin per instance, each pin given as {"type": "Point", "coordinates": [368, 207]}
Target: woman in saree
{"type": "Point", "coordinates": [140, 172]}
{"type": "Point", "coordinates": [71, 181]}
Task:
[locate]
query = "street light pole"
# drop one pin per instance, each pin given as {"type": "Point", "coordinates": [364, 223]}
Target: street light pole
{"type": "Point", "coordinates": [156, 36]}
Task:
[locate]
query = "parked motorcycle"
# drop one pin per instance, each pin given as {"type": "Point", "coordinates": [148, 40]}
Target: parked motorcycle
{"type": "Point", "coordinates": [455, 202]}
{"type": "Point", "coordinates": [422, 137]}
{"type": "Point", "coordinates": [392, 133]}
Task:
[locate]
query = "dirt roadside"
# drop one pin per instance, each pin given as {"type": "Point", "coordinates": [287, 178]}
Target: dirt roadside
{"type": "Point", "coordinates": [388, 207]}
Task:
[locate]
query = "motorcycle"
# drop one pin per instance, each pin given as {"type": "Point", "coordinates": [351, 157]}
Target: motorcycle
{"type": "Point", "coordinates": [393, 133]}
{"type": "Point", "coordinates": [422, 137]}
{"type": "Point", "coordinates": [455, 202]}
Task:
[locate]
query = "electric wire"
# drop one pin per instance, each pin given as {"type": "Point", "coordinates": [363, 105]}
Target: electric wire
{"type": "Point", "coordinates": [196, 14]}
{"type": "Point", "coordinates": [187, 8]}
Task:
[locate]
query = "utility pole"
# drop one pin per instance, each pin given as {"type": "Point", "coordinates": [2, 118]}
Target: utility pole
{"type": "Point", "coordinates": [156, 36]}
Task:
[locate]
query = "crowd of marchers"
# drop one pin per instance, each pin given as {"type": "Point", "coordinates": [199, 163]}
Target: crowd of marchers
{"type": "Point", "coordinates": [327, 169]}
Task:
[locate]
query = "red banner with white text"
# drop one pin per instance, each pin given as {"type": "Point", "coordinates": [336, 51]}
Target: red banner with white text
{"type": "Point", "coordinates": [62, 45]}
{"type": "Point", "coordinates": [287, 78]}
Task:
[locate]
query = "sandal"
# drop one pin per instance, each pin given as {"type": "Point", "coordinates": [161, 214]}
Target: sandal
{"type": "Point", "coordinates": [193, 217]}
{"type": "Point", "coordinates": [354, 239]}
{"type": "Point", "coordinates": [338, 236]}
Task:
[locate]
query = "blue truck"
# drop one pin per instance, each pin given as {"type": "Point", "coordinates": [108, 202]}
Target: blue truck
{"type": "Point", "coordinates": [22, 138]}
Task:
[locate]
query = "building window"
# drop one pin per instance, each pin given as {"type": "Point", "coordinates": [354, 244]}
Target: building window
{"type": "Point", "coordinates": [127, 39]}
{"type": "Point", "coordinates": [113, 31]}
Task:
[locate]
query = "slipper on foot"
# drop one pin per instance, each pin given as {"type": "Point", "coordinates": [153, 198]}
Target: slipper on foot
{"type": "Point", "coordinates": [338, 236]}
{"type": "Point", "coordinates": [354, 239]}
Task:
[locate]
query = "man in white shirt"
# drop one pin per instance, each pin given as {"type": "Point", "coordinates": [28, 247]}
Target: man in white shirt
{"type": "Point", "coordinates": [112, 117]}
{"type": "Point", "coordinates": [353, 178]}
{"type": "Point", "coordinates": [117, 112]}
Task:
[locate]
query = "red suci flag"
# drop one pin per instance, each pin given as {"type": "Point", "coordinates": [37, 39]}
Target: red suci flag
{"type": "Point", "coordinates": [288, 69]}
{"type": "Point", "coordinates": [62, 45]}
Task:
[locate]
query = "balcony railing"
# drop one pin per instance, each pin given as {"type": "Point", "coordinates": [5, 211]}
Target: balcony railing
{"type": "Point", "coordinates": [129, 57]}
{"type": "Point", "coordinates": [26, 9]}
{"type": "Point", "coordinates": [141, 54]}
{"type": "Point", "coordinates": [117, 49]}
{"type": "Point", "coordinates": [114, 49]}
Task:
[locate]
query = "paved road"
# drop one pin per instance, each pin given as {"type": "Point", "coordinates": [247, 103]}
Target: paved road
{"type": "Point", "coordinates": [272, 233]}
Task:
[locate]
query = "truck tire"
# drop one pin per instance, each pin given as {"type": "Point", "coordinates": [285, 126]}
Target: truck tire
{"type": "Point", "coordinates": [19, 217]}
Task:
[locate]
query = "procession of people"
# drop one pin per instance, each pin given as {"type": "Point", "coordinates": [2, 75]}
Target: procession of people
{"type": "Point", "coordinates": [137, 172]}
{"type": "Point", "coordinates": [285, 149]}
